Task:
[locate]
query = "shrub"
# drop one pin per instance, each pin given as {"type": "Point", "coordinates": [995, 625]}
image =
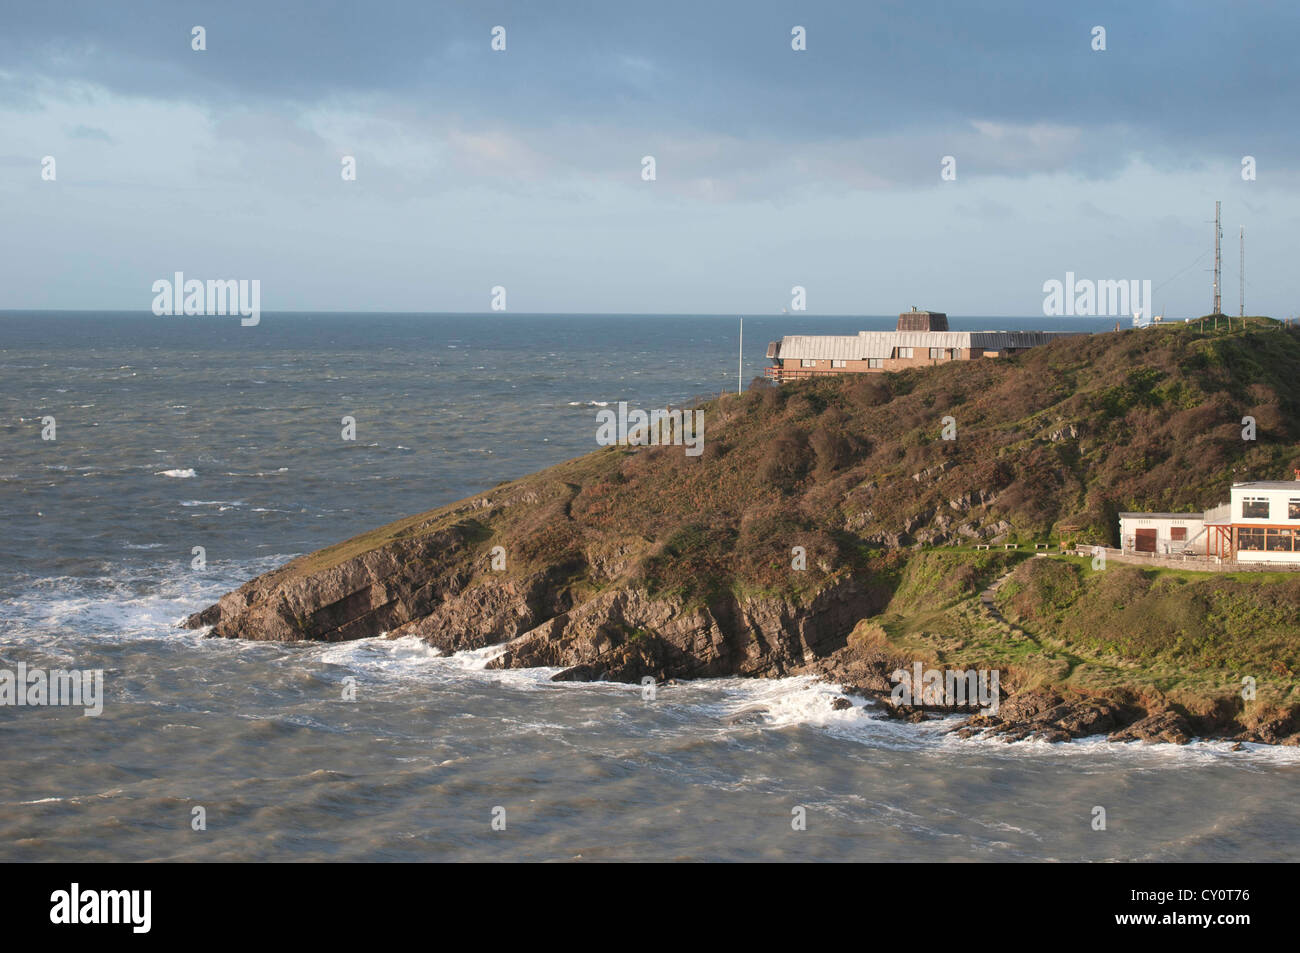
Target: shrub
{"type": "Point", "coordinates": [786, 461]}
{"type": "Point", "coordinates": [870, 390]}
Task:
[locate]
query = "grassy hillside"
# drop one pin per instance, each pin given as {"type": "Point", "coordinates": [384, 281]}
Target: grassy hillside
{"type": "Point", "coordinates": [1052, 443]}
{"type": "Point", "coordinates": [1154, 638]}
{"type": "Point", "coordinates": [1192, 632]}
{"type": "Point", "coordinates": [1055, 441]}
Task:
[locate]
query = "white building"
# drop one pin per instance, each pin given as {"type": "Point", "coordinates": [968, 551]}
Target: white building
{"type": "Point", "coordinates": [1260, 523]}
{"type": "Point", "coordinates": [1163, 533]}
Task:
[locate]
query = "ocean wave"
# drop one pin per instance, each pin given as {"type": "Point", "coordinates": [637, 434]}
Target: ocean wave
{"type": "Point", "coordinates": [394, 661]}
{"type": "Point", "coordinates": [744, 705]}
{"type": "Point", "coordinates": [132, 603]}
{"type": "Point", "coordinates": [177, 474]}
{"type": "Point", "coordinates": [739, 707]}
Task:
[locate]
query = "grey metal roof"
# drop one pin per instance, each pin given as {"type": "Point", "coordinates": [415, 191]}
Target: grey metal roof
{"type": "Point", "coordinates": [996, 340]}
{"type": "Point", "coordinates": [886, 341]}
{"type": "Point", "coordinates": [1270, 485]}
{"type": "Point", "coordinates": [821, 346]}
{"type": "Point", "coordinates": [881, 344]}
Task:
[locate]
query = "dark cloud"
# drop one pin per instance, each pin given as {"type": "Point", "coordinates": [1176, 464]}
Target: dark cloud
{"type": "Point", "coordinates": [1189, 79]}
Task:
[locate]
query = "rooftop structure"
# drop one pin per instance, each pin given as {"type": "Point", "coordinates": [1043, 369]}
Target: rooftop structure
{"type": "Point", "coordinates": [922, 338]}
{"type": "Point", "coordinates": [922, 321]}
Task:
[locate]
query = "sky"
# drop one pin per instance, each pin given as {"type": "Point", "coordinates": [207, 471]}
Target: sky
{"type": "Point", "coordinates": [523, 168]}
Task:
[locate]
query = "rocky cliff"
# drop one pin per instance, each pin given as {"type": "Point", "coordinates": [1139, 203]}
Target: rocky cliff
{"type": "Point", "coordinates": [433, 577]}
{"type": "Point", "coordinates": [802, 515]}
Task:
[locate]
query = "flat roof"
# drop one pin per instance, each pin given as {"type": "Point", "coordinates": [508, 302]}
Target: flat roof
{"type": "Point", "coordinates": [881, 344]}
{"type": "Point", "coordinates": [1180, 516]}
{"type": "Point", "coordinates": [1270, 485]}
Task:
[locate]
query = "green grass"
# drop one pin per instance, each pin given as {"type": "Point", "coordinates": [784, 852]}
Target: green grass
{"type": "Point", "coordinates": [1181, 632]}
{"type": "Point", "coordinates": [1170, 636]}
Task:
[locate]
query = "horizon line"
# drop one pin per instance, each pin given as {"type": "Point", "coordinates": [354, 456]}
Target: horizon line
{"type": "Point", "coordinates": [572, 314]}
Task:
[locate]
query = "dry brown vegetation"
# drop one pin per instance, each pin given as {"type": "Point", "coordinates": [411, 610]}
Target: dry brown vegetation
{"type": "Point", "coordinates": [1051, 443]}
{"type": "Point", "coordinates": [1055, 441]}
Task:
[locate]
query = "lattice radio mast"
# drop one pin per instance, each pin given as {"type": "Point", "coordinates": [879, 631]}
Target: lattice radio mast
{"type": "Point", "coordinates": [1218, 262]}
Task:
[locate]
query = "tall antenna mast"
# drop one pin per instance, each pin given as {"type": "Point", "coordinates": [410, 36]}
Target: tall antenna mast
{"type": "Point", "coordinates": [1242, 272]}
{"type": "Point", "coordinates": [1218, 263]}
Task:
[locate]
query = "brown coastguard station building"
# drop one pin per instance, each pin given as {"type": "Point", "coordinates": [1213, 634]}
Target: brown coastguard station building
{"type": "Point", "coordinates": [922, 338]}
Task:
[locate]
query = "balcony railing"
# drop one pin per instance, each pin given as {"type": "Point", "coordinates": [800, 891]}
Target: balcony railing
{"type": "Point", "coordinates": [783, 374]}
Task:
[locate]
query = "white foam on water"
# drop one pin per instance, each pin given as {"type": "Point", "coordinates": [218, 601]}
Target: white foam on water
{"type": "Point", "coordinates": [770, 702]}
{"type": "Point", "coordinates": [743, 705]}
{"type": "Point", "coordinates": [131, 604]}
{"type": "Point", "coordinates": [177, 474]}
{"type": "Point", "coordinates": [409, 657]}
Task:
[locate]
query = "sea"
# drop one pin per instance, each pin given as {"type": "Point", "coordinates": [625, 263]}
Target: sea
{"type": "Point", "coordinates": [189, 454]}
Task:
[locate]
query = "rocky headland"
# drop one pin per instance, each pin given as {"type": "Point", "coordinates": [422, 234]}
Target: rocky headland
{"type": "Point", "coordinates": [828, 529]}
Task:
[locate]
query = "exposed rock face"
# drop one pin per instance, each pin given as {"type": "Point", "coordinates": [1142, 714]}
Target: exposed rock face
{"type": "Point", "coordinates": [409, 586]}
{"type": "Point", "coordinates": [1045, 716]}
{"type": "Point", "coordinates": [1026, 715]}
{"type": "Point", "coordinates": [1168, 726]}
{"type": "Point", "coordinates": [423, 586]}
{"type": "Point", "coordinates": [1277, 730]}
{"type": "Point", "coordinates": [422, 583]}
{"type": "Point", "coordinates": [625, 635]}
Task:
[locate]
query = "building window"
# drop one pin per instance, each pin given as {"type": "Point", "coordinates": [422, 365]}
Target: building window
{"type": "Point", "coordinates": [936, 353]}
{"type": "Point", "coordinates": [1279, 541]}
{"type": "Point", "coordinates": [1250, 540]}
{"type": "Point", "coordinates": [904, 352]}
{"type": "Point", "coordinates": [875, 362]}
{"type": "Point", "coordinates": [835, 363]}
{"type": "Point", "coordinates": [1293, 510]}
{"type": "Point", "coordinates": [808, 362]}
{"type": "Point", "coordinates": [1178, 533]}
{"type": "Point", "coordinates": [956, 354]}
{"type": "Point", "coordinates": [1254, 508]}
